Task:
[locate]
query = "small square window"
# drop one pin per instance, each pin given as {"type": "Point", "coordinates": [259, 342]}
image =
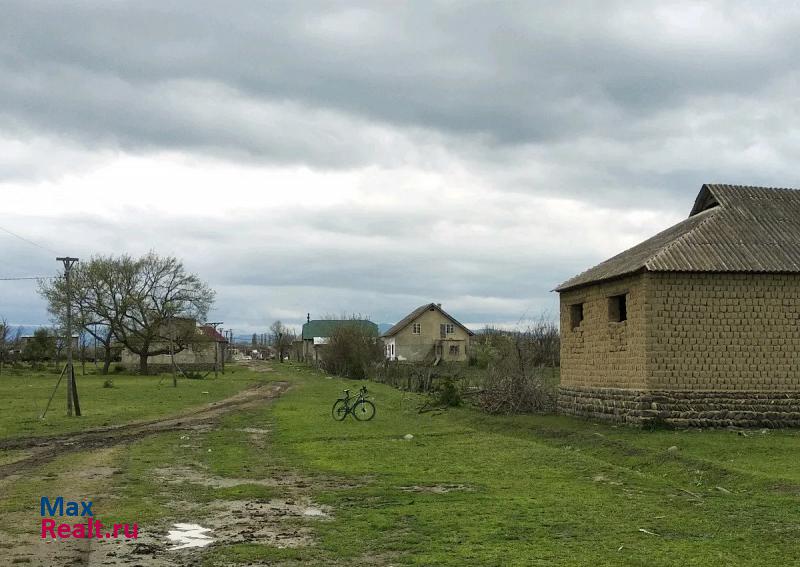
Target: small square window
{"type": "Point", "coordinates": [618, 308]}
{"type": "Point", "coordinates": [575, 315]}
{"type": "Point", "coordinates": [454, 350]}
{"type": "Point", "coordinates": [416, 328]}
{"type": "Point", "coordinates": [449, 328]}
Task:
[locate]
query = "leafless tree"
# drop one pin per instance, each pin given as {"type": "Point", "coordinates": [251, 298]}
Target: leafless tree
{"type": "Point", "coordinates": [281, 337]}
{"type": "Point", "coordinates": [353, 350]}
{"type": "Point", "coordinates": [156, 293]}
{"type": "Point", "coordinates": [521, 378]}
{"type": "Point", "coordinates": [97, 300]}
{"type": "Point", "coordinates": [9, 341]}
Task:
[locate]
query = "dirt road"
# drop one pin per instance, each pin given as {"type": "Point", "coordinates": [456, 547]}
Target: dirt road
{"type": "Point", "coordinates": [39, 450]}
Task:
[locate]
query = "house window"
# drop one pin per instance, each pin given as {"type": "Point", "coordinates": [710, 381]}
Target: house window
{"type": "Point", "coordinates": [416, 328]}
{"type": "Point", "coordinates": [392, 349]}
{"type": "Point", "coordinates": [449, 329]}
{"type": "Point", "coordinates": [575, 315]}
{"type": "Point", "coordinates": [454, 350]}
{"type": "Point", "coordinates": [618, 308]}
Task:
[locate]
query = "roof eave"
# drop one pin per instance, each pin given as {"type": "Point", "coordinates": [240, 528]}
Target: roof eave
{"type": "Point", "coordinates": [565, 287]}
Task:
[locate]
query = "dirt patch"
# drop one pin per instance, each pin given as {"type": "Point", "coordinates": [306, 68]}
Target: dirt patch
{"type": "Point", "coordinates": [276, 522]}
{"type": "Point", "coordinates": [281, 523]}
{"type": "Point", "coordinates": [7, 457]}
{"type": "Point", "coordinates": [786, 488]}
{"type": "Point", "coordinates": [258, 365]}
{"type": "Point", "coordinates": [255, 430]}
{"type": "Point", "coordinates": [194, 476]}
{"type": "Point", "coordinates": [436, 488]}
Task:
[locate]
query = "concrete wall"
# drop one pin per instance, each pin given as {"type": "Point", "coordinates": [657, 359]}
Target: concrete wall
{"type": "Point", "coordinates": [416, 347]}
{"type": "Point", "coordinates": [188, 356]}
{"type": "Point", "coordinates": [600, 353]}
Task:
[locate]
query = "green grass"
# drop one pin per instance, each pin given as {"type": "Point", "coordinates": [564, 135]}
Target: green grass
{"type": "Point", "coordinates": [543, 489]}
{"type": "Point", "coordinates": [536, 490]}
{"type": "Point", "coordinates": [24, 395]}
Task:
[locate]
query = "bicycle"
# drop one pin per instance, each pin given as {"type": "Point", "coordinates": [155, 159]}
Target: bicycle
{"type": "Point", "coordinates": [362, 409]}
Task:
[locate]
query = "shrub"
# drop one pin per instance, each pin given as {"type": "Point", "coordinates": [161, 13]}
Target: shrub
{"type": "Point", "coordinates": [518, 380]}
{"type": "Point", "coordinates": [448, 393]}
{"type": "Point", "coordinates": [109, 383]}
{"type": "Point", "coordinates": [351, 352]}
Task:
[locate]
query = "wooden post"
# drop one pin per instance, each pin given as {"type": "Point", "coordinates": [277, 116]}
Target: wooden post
{"type": "Point", "coordinates": [72, 390]}
{"type": "Point", "coordinates": [172, 353]}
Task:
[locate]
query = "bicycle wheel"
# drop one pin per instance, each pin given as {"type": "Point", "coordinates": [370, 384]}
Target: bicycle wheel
{"type": "Point", "coordinates": [339, 410]}
{"type": "Point", "coordinates": [363, 410]}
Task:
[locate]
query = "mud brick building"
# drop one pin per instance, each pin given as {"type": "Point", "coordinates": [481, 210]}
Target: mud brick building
{"type": "Point", "coordinates": [697, 326]}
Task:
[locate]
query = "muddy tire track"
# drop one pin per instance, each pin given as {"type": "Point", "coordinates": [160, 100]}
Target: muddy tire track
{"type": "Point", "coordinates": [45, 449]}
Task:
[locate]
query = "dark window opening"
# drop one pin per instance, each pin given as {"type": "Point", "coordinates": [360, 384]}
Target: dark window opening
{"type": "Point", "coordinates": [454, 350]}
{"type": "Point", "coordinates": [618, 308]}
{"type": "Point", "coordinates": [575, 315]}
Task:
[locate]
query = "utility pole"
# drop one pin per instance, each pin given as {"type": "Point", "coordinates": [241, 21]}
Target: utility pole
{"type": "Point", "coordinates": [216, 324]}
{"type": "Point", "coordinates": [72, 390]}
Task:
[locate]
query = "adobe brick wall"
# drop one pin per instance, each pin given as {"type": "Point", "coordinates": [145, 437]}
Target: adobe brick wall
{"type": "Point", "coordinates": [699, 349]}
{"type": "Point", "coordinates": [723, 331]}
{"type": "Point", "coordinates": [599, 354]}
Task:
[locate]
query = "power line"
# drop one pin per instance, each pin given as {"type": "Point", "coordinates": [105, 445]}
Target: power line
{"type": "Point", "coordinates": [31, 242]}
{"type": "Point", "coordinates": [29, 278]}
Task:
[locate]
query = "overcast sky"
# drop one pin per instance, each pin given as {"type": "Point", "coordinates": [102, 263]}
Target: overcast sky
{"type": "Point", "coordinates": [371, 157]}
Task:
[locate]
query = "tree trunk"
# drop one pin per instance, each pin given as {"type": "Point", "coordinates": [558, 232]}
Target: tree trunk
{"type": "Point", "coordinates": [106, 360]}
{"type": "Point", "coordinates": [143, 364]}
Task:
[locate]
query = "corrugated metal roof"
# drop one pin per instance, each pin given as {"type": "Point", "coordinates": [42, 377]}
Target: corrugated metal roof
{"type": "Point", "coordinates": [731, 228]}
{"type": "Point", "coordinates": [212, 333]}
{"type": "Point", "coordinates": [326, 327]}
{"type": "Point", "coordinates": [408, 319]}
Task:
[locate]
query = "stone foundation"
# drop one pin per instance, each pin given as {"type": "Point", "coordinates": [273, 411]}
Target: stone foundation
{"type": "Point", "coordinates": [682, 408]}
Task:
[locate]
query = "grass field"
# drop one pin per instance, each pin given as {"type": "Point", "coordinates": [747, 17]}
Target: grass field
{"type": "Point", "coordinates": [468, 489]}
{"type": "Point", "coordinates": [24, 395]}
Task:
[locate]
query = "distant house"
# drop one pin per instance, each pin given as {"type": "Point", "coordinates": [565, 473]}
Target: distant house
{"type": "Point", "coordinates": [56, 344]}
{"type": "Point", "coordinates": [695, 326]}
{"type": "Point", "coordinates": [428, 333]}
{"type": "Point", "coordinates": [317, 333]}
{"type": "Point", "coordinates": [56, 340]}
{"type": "Point", "coordinates": [204, 347]}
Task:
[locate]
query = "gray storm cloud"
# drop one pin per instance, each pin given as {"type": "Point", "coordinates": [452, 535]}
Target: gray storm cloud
{"type": "Point", "coordinates": [624, 108]}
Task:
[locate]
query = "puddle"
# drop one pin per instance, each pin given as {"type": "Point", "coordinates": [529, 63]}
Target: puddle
{"type": "Point", "coordinates": [185, 536]}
